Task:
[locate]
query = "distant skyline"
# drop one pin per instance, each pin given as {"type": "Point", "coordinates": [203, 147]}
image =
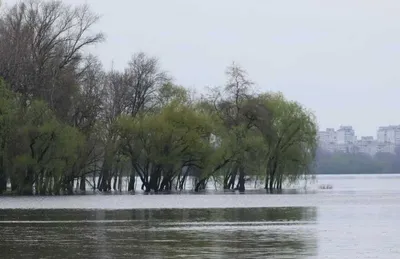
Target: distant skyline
{"type": "Point", "coordinates": [374, 135]}
{"type": "Point", "coordinates": [338, 58]}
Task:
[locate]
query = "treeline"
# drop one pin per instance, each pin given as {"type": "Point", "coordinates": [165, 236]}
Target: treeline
{"type": "Point", "coordinates": [357, 163]}
{"type": "Point", "coordinates": [65, 120]}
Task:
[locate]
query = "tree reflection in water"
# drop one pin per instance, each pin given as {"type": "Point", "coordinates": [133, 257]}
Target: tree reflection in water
{"type": "Point", "coordinates": [166, 233]}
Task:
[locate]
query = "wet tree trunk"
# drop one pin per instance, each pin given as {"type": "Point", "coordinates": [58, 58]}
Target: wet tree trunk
{"type": "Point", "coordinates": [69, 184]}
{"type": "Point", "coordinates": [105, 183]}
{"type": "Point", "coordinates": [43, 179]}
{"type": "Point", "coordinates": [115, 181]}
{"type": "Point", "coordinates": [201, 185]}
{"type": "Point", "coordinates": [232, 180]}
{"type": "Point", "coordinates": [3, 179]}
{"type": "Point", "coordinates": [155, 180]}
{"type": "Point", "coordinates": [131, 185]}
{"type": "Point", "coordinates": [241, 186]}
{"type": "Point", "coordinates": [272, 174]}
{"type": "Point", "coordinates": [227, 180]}
{"type": "Point", "coordinates": [37, 184]}
{"type": "Point", "coordinates": [14, 184]}
{"type": "Point", "coordinates": [183, 180]}
{"type": "Point", "coordinates": [50, 184]}
{"type": "Point", "coordinates": [3, 176]}
{"type": "Point", "coordinates": [27, 187]}
{"type": "Point", "coordinates": [267, 174]}
{"type": "Point", "coordinates": [57, 187]}
{"type": "Point", "coordinates": [120, 182]}
{"type": "Point", "coordinates": [82, 185]}
{"type": "Point", "coordinates": [280, 180]}
{"type": "Point", "coordinates": [153, 184]}
{"type": "Point", "coordinates": [166, 183]}
{"type": "Point", "coordinates": [99, 181]}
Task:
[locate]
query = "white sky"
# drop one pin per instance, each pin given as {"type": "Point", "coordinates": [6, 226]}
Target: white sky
{"type": "Point", "coordinates": [339, 58]}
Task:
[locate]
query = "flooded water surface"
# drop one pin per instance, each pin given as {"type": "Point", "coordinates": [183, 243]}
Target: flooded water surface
{"type": "Point", "coordinates": [358, 218]}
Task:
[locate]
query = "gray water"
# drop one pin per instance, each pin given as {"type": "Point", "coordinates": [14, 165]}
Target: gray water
{"type": "Point", "coordinates": [358, 218]}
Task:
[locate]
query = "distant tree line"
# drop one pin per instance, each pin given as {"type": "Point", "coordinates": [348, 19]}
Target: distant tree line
{"type": "Point", "coordinates": [357, 163]}
{"type": "Point", "coordinates": [65, 122]}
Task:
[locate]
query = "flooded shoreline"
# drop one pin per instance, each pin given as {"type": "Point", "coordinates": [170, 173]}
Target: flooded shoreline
{"type": "Point", "coordinates": [358, 218]}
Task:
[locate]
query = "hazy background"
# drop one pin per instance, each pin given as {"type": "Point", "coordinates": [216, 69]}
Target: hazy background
{"type": "Point", "coordinates": [339, 58]}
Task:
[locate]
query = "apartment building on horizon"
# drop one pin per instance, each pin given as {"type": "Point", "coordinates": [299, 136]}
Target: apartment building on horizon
{"type": "Point", "coordinates": [345, 140]}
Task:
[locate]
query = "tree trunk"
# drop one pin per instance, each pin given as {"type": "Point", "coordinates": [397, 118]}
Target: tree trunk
{"type": "Point", "coordinates": [131, 185]}
{"type": "Point", "coordinates": [120, 182]}
{"type": "Point", "coordinates": [166, 184]}
{"type": "Point", "coordinates": [82, 185]}
{"type": "Point", "coordinates": [27, 188]}
{"type": "Point", "coordinates": [201, 185]}
{"type": "Point", "coordinates": [115, 182]}
{"type": "Point", "coordinates": [183, 179]}
{"type": "Point", "coordinates": [3, 176]}
{"type": "Point", "coordinates": [227, 180]}
{"type": "Point", "coordinates": [94, 180]}
{"type": "Point", "coordinates": [266, 180]}
{"type": "Point", "coordinates": [50, 183]}
{"type": "Point", "coordinates": [99, 181]}
{"type": "Point", "coordinates": [241, 187]}
{"type": "Point", "coordinates": [280, 179]}
{"type": "Point", "coordinates": [14, 185]}
{"type": "Point", "coordinates": [43, 184]}
{"type": "Point", "coordinates": [232, 180]}
{"type": "Point", "coordinates": [70, 185]}
{"type": "Point", "coordinates": [3, 181]}
{"type": "Point", "coordinates": [105, 183]}
{"type": "Point", "coordinates": [153, 184]}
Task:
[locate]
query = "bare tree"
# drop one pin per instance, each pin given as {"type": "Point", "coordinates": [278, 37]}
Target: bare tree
{"type": "Point", "coordinates": [134, 90]}
{"type": "Point", "coordinates": [143, 79]}
{"type": "Point", "coordinates": [238, 85]}
{"type": "Point", "coordinates": [88, 102]}
{"type": "Point", "coordinates": [41, 49]}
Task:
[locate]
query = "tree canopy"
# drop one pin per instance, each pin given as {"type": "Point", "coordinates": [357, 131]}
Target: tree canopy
{"type": "Point", "coordinates": [65, 122]}
{"type": "Point", "coordinates": [357, 163]}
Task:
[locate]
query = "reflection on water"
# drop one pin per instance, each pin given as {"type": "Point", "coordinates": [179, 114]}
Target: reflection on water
{"type": "Point", "coordinates": [167, 233]}
{"type": "Point", "coordinates": [358, 218]}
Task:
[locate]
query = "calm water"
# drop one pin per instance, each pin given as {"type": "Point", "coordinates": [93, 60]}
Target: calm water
{"type": "Point", "coordinates": [358, 218]}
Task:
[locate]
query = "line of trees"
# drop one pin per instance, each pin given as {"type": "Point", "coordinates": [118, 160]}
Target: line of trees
{"type": "Point", "coordinates": [357, 163]}
{"type": "Point", "coordinates": [64, 119]}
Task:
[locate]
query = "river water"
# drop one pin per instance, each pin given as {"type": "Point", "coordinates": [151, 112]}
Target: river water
{"type": "Point", "coordinates": [358, 218]}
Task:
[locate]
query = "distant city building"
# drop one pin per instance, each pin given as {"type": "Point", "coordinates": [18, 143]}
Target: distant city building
{"type": "Point", "coordinates": [367, 145]}
{"type": "Point", "coordinates": [345, 135]}
{"type": "Point", "coordinates": [386, 148]}
{"type": "Point", "coordinates": [389, 134]}
{"type": "Point", "coordinates": [344, 140]}
{"type": "Point", "coordinates": [327, 139]}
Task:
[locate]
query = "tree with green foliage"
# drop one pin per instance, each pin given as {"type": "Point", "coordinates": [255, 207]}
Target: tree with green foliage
{"type": "Point", "coordinates": [161, 145]}
{"type": "Point", "coordinates": [291, 140]}
{"type": "Point", "coordinates": [8, 120]}
{"type": "Point", "coordinates": [65, 122]}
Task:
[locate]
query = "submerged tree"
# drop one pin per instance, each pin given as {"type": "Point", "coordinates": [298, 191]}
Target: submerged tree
{"type": "Point", "coordinates": [65, 122]}
{"type": "Point", "coordinates": [291, 141]}
{"type": "Point", "coordinates": [8, 120]}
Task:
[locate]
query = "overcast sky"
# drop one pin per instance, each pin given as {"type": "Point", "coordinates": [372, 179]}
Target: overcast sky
{"type": "Point", "coordinates": [339, 58]}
